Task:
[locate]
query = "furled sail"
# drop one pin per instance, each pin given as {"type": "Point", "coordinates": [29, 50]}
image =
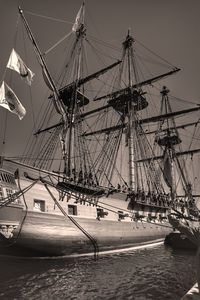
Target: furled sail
{"type": "Point", "coordinates": [167, 170]}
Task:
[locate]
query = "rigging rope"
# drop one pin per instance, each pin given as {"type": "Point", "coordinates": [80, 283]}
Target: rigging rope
{"type": "Point", "coordinates": [47, 17]}
{"type": "Point", "coordinates": [93, 240]}
{"type": "Point", "coordinates": [11, 198]}
{"type": "Point", "coordinates": [167, 62]}
{"type": "Point", "coordinates": [22, 222]}
{"type": "Point", "coordinates": [56, 44]}
{"type": "Point", "coordinates": [103, 207]}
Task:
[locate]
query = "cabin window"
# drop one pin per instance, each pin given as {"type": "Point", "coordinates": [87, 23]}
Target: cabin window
{"type": "Point", "coordinates": [39, 205]}
{"type": "Point", "coordinates": [9, 192]}
{"type": "Point", "coordinates": [72, 210]}
{"type": "Point", "coordinates": [17, 200]}
{"type": "Point", "coordinates": [1, 193]}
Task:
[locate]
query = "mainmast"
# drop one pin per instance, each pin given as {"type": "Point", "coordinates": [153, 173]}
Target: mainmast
{"type": "Point", "coordinates": [133, 174]}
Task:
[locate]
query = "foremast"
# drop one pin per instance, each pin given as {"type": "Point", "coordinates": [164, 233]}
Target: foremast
{"type": "Point", "coordinates": [80, 31]}
{"type": "Point", "coordinates": [65, 100]}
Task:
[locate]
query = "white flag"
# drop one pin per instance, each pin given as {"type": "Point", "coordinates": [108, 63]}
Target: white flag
{"type": "Point", "coordinates": [79, 20]}
{"type": "Point", "coordinates": [16, 63]}
{"type": "Point", "coordinates": [9, 100]}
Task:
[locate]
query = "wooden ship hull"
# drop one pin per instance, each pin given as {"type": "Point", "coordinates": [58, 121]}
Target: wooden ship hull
{"type": "Point", "coordinates": [77, 227]}
{"type": "Point", "coordinates": [49, 234]}
{"type": "Point", "coordinates": [53, 235]}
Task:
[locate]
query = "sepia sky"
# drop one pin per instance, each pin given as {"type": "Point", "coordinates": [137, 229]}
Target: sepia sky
{"type": "Point", "coordinates": [169, 28]}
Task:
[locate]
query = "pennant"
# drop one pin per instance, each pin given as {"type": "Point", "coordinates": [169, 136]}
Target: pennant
{"type": "Point", "coordinates": [78, 20]}
{"type": "Point", "coordinates": [9, 100]}
{"type": "Point", "coordinates": [16, 63]}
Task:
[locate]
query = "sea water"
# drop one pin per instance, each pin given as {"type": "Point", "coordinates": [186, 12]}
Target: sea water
{"type": "Point", "coordinates": [144, 274]}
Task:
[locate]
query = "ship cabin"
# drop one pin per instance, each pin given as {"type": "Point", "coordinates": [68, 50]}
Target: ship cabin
{"type": "Point", "coordinates": [8, 185]}
{"type": "Point", "coordinates": [10, 205]}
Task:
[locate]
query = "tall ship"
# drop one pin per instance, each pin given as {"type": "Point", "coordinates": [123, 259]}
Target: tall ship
{"type": "Point", "coordinates": [105, 165]}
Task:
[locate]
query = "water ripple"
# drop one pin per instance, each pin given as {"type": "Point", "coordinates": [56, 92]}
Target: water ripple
{"type": "Point", "coordinates": [157, 273]}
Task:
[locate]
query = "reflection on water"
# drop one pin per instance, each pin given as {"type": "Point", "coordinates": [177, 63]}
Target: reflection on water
{"type": "Point", "coordinates": [151, 274]}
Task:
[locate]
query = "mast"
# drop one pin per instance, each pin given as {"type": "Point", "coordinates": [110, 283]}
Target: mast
{"type": "Point", "coordinates": [168, 139]}
{"type": "Point", "coordinates": [169, 146]}
{"type": "Point", "coordinates": [133, 176]}
{"type": "Point", "coordinates": [79, 28]}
